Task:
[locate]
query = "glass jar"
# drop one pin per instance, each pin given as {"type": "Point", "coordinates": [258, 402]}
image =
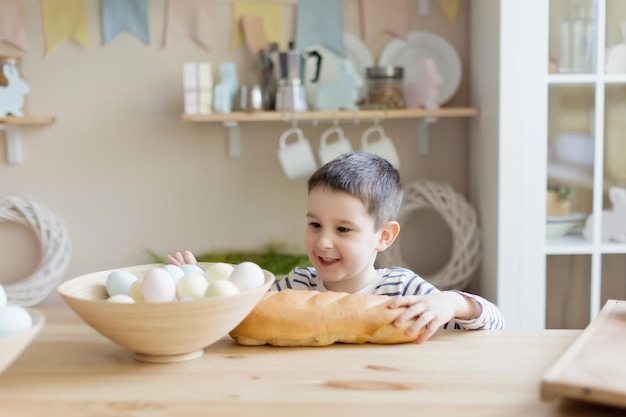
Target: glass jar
{"type": "Point", "coordinates": [384, 87]}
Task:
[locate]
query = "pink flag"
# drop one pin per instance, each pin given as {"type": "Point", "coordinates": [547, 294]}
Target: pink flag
{"type": "Point", "coordinates": [391, 16]}
{"type": "Point", "coordinates": [190, 19]}
{"type": "Point", "coordinates": [12, 25]}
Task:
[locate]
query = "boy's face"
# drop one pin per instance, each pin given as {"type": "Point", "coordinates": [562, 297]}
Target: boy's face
{"type": "Point", "coordinates": [340, 240]}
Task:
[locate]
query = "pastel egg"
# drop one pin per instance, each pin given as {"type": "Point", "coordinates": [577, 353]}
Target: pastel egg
{"type": "Point", "coordinates": [187, 268]}
{"type": "Point", "coordinates": [121, 298]}
{"type": "Point", "coordinates": [135, 291]}
{"type": "Point", "coordinates": [158, 286]}
{"type": "Point", "coordinates": [219, 270]}
{"type": "Point", "coordinates": [174, 270]}
{"type": "Point", "coordinates": [192, 285]}
{"type": "Point", "coordinates": [3, 296]}
{"type": "Point", "coordinates": [247, 275]}
{"type": "Point", "coordinates": [221, 287]}
{"type": "Point", "coordinates": [119, 282]}
{"type": "Point", "coordinates": [14, 319]}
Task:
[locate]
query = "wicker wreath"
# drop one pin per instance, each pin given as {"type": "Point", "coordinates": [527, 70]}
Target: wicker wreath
{"type": "Point", "coordinates": [55, 249]}
{"type": "Point", "coordinates": [462, 220]}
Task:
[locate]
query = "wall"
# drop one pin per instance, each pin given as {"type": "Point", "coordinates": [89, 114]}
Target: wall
{"type": "Point", "coordinates": [127, 175]}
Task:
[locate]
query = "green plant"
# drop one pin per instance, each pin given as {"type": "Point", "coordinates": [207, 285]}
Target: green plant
{"type": "Point", "coordinates": [271, 259]}
{"type": "Point", "coordinates": [564, 192]}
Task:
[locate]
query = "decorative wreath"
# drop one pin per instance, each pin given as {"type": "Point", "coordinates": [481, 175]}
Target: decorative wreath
{"type": "Point", "coordinates": [55, 249]}
{"type": "Point", "coordinates": [462, 220]}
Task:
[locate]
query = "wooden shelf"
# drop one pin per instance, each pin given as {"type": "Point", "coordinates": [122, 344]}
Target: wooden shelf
{"type": "Point", "coordinates": [11, 125]}
{"type": "Point", "coordinates": [276, 116]}
{"type": "Point", "coordinates": [27, 120]}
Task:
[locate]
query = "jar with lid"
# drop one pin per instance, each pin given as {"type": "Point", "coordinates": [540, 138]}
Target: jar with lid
{"type": "Point", "coordinates": [384, 87]}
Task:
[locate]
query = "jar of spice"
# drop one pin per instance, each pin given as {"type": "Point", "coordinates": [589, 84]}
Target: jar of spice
{"type": "Point", "coordinates": [384, 87]}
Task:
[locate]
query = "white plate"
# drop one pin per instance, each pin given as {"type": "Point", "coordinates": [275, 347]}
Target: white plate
{"type": "Point", "coordinates": [572, 218]}
{"type": "Point", "coordinates": [425, 45]}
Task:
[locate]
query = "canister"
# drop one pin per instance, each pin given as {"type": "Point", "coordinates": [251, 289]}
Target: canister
{"type": "Point", "coordinates": [384, 87]}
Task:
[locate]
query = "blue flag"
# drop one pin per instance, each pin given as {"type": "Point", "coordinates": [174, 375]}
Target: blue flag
{"type": "Point", "coordinates": [320, 22]}
{"type": "Point", "coordinates": [121, 15]}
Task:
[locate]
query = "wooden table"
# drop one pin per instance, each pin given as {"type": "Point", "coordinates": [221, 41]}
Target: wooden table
{"type": "Point", "coordinates": [70, 370]}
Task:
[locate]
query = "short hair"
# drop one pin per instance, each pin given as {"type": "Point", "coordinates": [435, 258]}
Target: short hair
{"type": "Point", "coordinates": [368, 177]}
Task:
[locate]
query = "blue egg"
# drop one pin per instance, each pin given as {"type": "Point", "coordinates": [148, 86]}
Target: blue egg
{"type": "Point", "coordinates": [175, 271]}
{"type": "Point", "coordinates": [14, 319]}
{"type": "Point", "coordinates": [192, 268]}
{"type": "Point", "coordinates": [119, 282]}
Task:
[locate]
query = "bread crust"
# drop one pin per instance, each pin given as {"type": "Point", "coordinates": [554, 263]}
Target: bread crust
{"type": "Point", "coordinates": [314, 318]}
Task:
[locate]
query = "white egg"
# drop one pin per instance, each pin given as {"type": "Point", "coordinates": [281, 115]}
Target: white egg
{"type": "Point", "coordinates": [221, 287]}
{"type": "Point", "coordinates": [158, 286]}
{"type": "Point", "coordinates": [135, 291]}
{"type": "Point", "coordinates": [119, 282]}
{"type": "Point", "coordinates": [3, 296]}
{"type": "Point", "coordinates": [219, 270]}
{"type": "Point", "coordinates": [14, 319]}
{"type": "Point", "coordinates": [187, 268]}
{"type": "Point", "coordinates": [247, 275]}
{"type": "Point", "coordinates": [175, 271]}
{"type": "Point", "coordinates": [121, 298]}
{"type": "Point", "coordinates": [191, 285]}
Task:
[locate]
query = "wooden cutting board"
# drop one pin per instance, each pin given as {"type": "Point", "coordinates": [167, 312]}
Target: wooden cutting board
{"type": "Point", "coordinates": [594, 366]}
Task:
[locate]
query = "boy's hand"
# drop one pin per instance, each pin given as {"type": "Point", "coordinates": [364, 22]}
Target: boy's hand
{"type": "Point", "coordinates": [178, 258]}
{"type": "Point", "coordinates": [432, 311]}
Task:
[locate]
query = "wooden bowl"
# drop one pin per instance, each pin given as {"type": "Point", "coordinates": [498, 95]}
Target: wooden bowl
{"type": "Point", "coordinates": [159, 332]}
{"type": "Point", "coordinates": [13, 345]}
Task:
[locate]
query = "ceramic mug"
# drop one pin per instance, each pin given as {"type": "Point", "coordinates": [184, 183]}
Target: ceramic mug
{"type": "Point", "coordinates": [330, 150]}
{"type": "Point", "coordinates": [382, 147]}
{"type": "Point", "coordinates": [296, 157]}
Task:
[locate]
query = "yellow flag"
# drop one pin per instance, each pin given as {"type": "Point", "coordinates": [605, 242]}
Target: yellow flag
{"type": "Point", "coordinates": [64, 19]}
{"type": "Point", "coordinates": [271, 14]}
{"type": "Point", "coordinates": [450, 8]}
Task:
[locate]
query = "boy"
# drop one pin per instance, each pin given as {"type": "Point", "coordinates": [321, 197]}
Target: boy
{"type": "Point", "coordinates": [353, 202]}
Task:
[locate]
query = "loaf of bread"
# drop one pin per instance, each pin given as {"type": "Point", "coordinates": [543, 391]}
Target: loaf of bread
{"type": "Point", "coordinates": [313, 318]}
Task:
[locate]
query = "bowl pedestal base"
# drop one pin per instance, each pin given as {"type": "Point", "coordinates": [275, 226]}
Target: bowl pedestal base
{"type": "Point", "coordinates": [168, 358]}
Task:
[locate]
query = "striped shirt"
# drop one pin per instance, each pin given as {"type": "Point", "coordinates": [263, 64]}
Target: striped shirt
{"type": "Point", "coordinates": [397, 282]}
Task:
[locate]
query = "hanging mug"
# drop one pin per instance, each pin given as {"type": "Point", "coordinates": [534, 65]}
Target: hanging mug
{"type": "Point", "coordinates": [382, 147]}
{"type": "Point", "coordinates": [296, 157]}
{"type": "Point", "coordinates": [330, 150]}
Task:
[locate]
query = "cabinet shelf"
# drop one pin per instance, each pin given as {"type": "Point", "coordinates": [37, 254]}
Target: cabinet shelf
{"type": "Point", "coordinates": [424, 116]}
{"type": "Point", "coordinates": [27, 120]}
{"type": "Point", "coordinates": [11, 125]}
{"type": "Point", "coordinates": [277, 116]}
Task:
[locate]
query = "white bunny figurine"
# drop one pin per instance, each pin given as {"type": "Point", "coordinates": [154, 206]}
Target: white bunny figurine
{"type": "Point", "coordinates": [613, 221]}
{"type": "Point", "coordinates": [12, 96]}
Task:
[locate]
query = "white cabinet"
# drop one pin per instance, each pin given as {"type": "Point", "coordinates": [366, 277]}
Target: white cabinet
{"type": "Point", "coordinates": [540, 281]}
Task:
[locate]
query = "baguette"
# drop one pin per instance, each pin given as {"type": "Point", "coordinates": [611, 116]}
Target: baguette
{"type": "Point", "coordinates": [313, 318]}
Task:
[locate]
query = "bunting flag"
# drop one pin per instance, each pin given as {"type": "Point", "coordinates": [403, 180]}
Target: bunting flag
{"type": "Point", "coordinates": [121, 15]}
{"type": "Point", "coordinates": [390, 16]}
{"type": "Point", "coordinates": [64, 19]}
{"type": "Point", "coordinates": [450, 9]}
{"type": "Point", "coordinates": [270, 13]}
{"type": "Point", "coordinates": [190, 19]}
{"type": "Point", "coordinates": [12, 24]}
{"type": "Point", "coordinates": [320, 22]}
